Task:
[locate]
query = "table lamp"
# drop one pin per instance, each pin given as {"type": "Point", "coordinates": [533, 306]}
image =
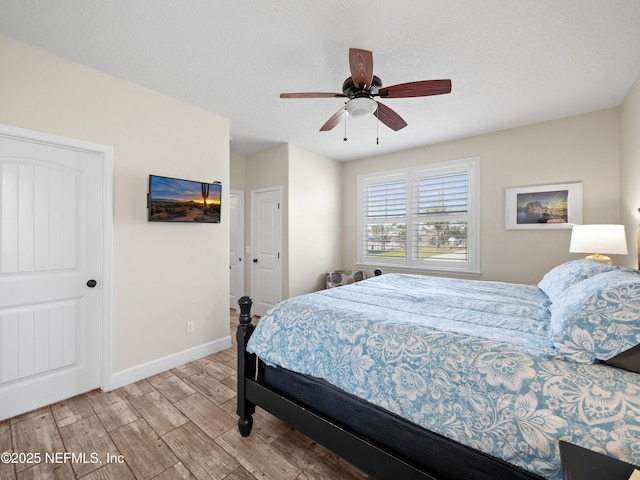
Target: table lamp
{"type": "Point", "coordinates": [598, 239]}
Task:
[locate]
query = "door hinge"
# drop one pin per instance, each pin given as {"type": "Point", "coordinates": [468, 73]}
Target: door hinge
{"type": "Point", "coordinates": [278, 254]}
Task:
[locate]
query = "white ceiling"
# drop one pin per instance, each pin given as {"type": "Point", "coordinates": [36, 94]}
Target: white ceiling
{"type": "Point", "coordinates": [511, 62]}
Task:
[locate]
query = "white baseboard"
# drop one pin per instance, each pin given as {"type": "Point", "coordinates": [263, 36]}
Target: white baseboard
{"type": "Point", "coordinates": [139, 372]}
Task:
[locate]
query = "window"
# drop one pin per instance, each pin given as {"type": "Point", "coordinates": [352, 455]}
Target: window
{"type": "Point", "coordinates": [423, 218]}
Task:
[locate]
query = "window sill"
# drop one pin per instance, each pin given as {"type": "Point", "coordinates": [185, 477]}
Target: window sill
{"type": "Point", "coordinates": [387, 268]}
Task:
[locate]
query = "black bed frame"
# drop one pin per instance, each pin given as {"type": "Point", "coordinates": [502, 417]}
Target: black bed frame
{"type": "Point", "coordinates": [357, 449]}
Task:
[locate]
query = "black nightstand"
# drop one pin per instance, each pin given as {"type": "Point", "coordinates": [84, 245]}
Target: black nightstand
{"type": "Point", "coordinates": [580, 463]}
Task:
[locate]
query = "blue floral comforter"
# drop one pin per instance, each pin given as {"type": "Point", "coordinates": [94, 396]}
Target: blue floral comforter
{"type": "Point", "coordinates": [471, 360]}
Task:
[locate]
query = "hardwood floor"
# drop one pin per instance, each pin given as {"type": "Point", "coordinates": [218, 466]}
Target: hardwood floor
{"type": "Point", "coordinates": [179, 424]}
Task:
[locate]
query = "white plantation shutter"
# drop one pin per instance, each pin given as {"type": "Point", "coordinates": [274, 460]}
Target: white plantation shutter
{"type": "Point", "coordinates": [421, 218]}
{"type": "Point", "coordinates": [441, 194]}
{"type": "Point", "coordinates": [440, 205]}
{"type": "Point", "coordinates": [384, 211]}
{"type": "Point", "coordinates": [386, 199]}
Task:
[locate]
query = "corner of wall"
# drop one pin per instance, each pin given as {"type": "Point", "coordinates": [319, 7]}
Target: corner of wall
{"type": "Point", "coordinates": [630, 172]}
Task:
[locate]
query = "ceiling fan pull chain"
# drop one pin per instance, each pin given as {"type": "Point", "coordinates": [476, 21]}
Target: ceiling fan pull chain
{"type": "Point", "coordinates": [345, 124]}
{"type": "Point", "coordinates": [377, 130]}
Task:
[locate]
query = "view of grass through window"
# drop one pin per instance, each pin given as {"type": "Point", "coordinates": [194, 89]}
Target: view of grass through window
{"type": "Point", "coordinates": [438, 197]}
{"type": "Point", "coordinates": [445, 240]}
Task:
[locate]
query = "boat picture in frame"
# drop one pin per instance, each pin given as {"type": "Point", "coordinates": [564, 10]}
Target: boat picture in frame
{"type": "Point", "coordinates": [544, 206]}
{"type": "Point", "coordinates": [178, 200]}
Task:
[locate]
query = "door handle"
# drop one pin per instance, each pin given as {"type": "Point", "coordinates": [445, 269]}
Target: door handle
{"type": "Point", "coordinates": [255, 260]}
{"type": "Point", "coordinates": [91, 283]}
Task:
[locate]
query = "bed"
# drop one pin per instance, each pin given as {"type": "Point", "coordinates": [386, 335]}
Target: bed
{"type": "Point", "coordinates": [411, 376]}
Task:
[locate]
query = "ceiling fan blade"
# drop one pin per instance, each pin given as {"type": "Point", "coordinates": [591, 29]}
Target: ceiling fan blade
{"type": "Point", "coordinates": [361, 65]}
{"type": "Point", "coordinates": [390, 118]}
{"type": "Point", "coordinates": [312, 95]}
{"type": "Point", "coordinates": [334, 120]}
{"type": "Point", "coordinates": [422, 88]}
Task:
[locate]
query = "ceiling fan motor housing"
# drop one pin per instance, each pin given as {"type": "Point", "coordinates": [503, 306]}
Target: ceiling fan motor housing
{"type": "Point", "coordinates": [353, 91]}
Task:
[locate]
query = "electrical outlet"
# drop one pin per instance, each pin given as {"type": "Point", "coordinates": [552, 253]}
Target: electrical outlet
{"type": "Point", "coordinates": [191, 327]}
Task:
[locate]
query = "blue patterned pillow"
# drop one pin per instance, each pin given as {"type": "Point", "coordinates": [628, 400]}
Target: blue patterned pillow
{"type": "Point", "coordinates": [559, 278]}
{"type": "Point", "coordinates": [597, 318]}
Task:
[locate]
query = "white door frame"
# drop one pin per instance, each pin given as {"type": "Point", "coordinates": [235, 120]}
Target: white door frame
{"type": "Point", "coordinates": [240, 246]}
{"type": "Point", "coordinates": [105, 153]}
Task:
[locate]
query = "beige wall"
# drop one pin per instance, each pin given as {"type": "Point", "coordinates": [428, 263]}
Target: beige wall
{"type": "Point", "coordinates": [600, 149]}
{"type": "Point", "coordinates": [583, 148]}
{"type": "Point", "coordinates": [315, 204]}
{"type": "Point", "coordinates": [237, 164]}
{"type": "Point", "coordinates": [311, 228]}
{"type": "Point", "coordinates": [164, 274]}
{"type": "Point", "coordinates": [268, 168]}
{"type": "Point", "coordinates": [630, 171]}
{"type": "Point", "coordinates": [237, 180]}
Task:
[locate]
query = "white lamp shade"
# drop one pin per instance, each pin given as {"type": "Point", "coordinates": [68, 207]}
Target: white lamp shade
{"type": "Point", "coordinates": [361, 107]}
{"type": "Point", "coordinates": [608, 239]}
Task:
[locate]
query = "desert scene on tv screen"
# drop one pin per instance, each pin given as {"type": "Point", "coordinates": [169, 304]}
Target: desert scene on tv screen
{"type": "Point", "coordinates": [175, 200]}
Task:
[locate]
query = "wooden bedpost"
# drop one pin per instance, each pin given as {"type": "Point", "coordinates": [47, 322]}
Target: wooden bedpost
{"type": "Point", "coordinates": [246, 367]}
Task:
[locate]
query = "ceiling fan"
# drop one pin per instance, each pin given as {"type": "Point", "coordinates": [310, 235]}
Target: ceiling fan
{"type": "Point", "coordinates": [363, 85]}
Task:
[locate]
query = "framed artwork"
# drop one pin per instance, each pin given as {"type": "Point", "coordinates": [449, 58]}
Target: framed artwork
{"type": "Point", "coordinates": [544, 206]}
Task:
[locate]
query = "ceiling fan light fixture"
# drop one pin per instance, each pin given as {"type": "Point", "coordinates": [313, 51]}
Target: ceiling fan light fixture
{"type": "Point", "coordinates": [361, 107]}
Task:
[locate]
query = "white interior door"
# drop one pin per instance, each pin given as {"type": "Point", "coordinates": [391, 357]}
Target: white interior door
{"type": "Point", "coordinates": [50, 256]}
{"type": "Point", "coordinates": [236, 245]}
{"type": "Point", "coordinates": [266, 240]}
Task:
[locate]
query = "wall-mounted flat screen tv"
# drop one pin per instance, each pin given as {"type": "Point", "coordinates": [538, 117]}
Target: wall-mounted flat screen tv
{"type": "Point", "coordinates": [176, 200]}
